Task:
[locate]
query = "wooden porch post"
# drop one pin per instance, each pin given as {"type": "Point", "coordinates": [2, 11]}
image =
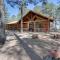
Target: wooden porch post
{"type": "Point", "coordinates": [17, 26]}
{"type": "Point", "coordinates": [34, 27]}
{"type": "Point", "coordinates": [48, 25]}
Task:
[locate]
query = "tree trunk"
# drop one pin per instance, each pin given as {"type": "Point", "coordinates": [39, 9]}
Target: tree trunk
{"type": "Point", "coordinates": [2, 28]}
{"type": "Point", "coordinates": [21, 16]}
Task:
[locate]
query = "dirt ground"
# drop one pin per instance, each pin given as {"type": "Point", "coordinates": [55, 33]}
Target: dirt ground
{"type": "Point", "coordinates": [21, 46]}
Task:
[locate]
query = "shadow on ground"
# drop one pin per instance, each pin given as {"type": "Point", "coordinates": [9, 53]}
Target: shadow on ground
{"type": "Point", "coordinates": [29, 51]}
{"type": "Point", "coordinates": [46, 46]}
{"type": "Point", "coordinates": [12, 52]}
{"type": "Point", "coordinates": [29, 45]}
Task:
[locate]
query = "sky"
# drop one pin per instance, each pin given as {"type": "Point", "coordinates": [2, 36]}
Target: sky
{"type": "Point", "coordinates": [15, 10]}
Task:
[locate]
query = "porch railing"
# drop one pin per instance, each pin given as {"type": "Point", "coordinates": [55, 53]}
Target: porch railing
{"type": "Point", "coordinates": [35, 30]}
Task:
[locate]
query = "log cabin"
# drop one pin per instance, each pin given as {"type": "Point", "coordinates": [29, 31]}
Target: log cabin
{"type": "Point", "coordinates": [33, 22]}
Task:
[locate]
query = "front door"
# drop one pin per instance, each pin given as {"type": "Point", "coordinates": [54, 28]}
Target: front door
{"type": "Point", "coordinates": [31, 26]}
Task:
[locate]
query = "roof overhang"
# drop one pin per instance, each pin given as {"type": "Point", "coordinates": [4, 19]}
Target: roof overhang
{"type": "Point", "coordinates": [39, 14]}
{"type": "Point", "coordinates": [12, 22]}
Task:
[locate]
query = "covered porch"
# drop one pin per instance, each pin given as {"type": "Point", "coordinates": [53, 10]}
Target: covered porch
{"type": "Point", "coordinates": [32, 22]}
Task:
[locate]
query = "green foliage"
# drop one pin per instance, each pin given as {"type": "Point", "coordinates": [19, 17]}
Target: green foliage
{"type": "Point", "coordinates": [25, 11]}
{"type": "Point", "coordinates": [7, 16]}
{"type": "Point", "coordinates": [49, 5]}
{"type": "Point", "coordinates": [37, 9]}
{"type": "Point", "coordinates": [49, 8]}
{"type": "Point", "coordinates": [57, 12]}
{"type": "Point", "coordinates": [25, 2]}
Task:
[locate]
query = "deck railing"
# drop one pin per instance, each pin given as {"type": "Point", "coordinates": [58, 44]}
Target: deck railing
{"type": "Point", "coordinates": [35, 30]}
